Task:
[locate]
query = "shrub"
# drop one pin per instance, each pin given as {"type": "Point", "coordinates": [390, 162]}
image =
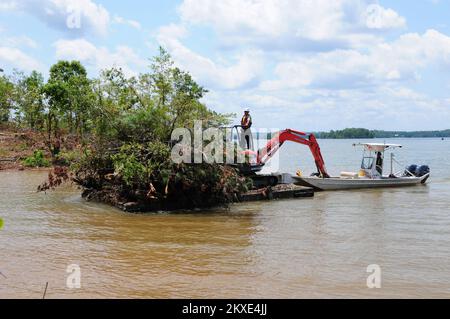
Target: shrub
{"type": "Point", "coordinates": [67, 158]}
{"type": "Point", "coordinates": [36, 160]}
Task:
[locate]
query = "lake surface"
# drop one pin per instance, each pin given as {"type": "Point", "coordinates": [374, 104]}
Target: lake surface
{"type": "Point", "coordinates": [311, 248]}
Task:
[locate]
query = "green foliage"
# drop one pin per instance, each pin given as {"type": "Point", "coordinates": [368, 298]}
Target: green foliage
{"type": "Point", "coordinates": [365, 133]}
{"type": "Point", "coordinates": [6, 98]}
{"type": "Point", "coordinates": [112, 107]}
{"type": "Point", "coordinates": [124, 126]}
{"type": "Point", "coordinates": [67, 158]}
{"type": "Point", "coordinates": [347, 133]}
{"type": "Point", "coordinates": [129, 166]}
{"type": "Point", "coordinates": [148, 173]}
{"type": "Point", "coordinates": [36, 160]}
{"type": "Point", "coordinates": [393, 134]}
{"type": "Point", "coordinates": [70, 97]}
{"type": "Point", "coordinates": [30, 100]}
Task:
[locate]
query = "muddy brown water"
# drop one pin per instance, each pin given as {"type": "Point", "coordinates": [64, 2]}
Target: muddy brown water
{"type": "Point", "coordinates": [312, 248]}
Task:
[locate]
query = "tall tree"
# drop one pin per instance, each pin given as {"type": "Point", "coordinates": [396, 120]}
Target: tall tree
{"type": "Point", "coordinates": [6, 98]}
{"type": "Point", "coordinates": [162, 68]}
{"type": "Point", "coordinates": [179, 95]}
{"type": "Point", "coordinates": [30, 100]}
{"type": "Point", "coordinates": [66, 90]}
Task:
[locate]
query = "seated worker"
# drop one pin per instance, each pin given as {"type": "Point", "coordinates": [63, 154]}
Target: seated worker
{"type": "Point", "coordinates": [379, 163]}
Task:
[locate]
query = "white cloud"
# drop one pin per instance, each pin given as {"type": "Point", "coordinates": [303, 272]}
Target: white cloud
{"type": "Point", "coordinates": [348, 88]}
{"type": "Point", "coordinates": [19, 41]}
{"type": "Point", "coordinates": [56, 13]}
{"type": "Point", "coordinates": [244, 68]}
{"type": "Point", "coordinates": [310, 65]}
{"type": "Point", "coordinates": [270, 17]}
{"type": "Point", "coordinates": [390, 107]}
{"type": "Point", "coordinates": [294, 24]}
{"type": "Point", "coordinates": [378, 17]}
{"type": "Point", "coordinates": [132, 23]}
{"type": "Point", "coordinates": [8, 5]}
{"type": "Point", "coordinates": [99, 58]}
{"type": "Point", "coordinates": [323, 64]}
{"type": "Point", "coordinates": [172, 31]}
{"type": "Point", "coordinates": [400, 60]}
{"type": "Point", "coordinates": [17, 58]}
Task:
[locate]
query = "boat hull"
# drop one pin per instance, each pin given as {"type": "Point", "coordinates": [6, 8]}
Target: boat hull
{"type": "Point", "coordinates": [336, 183]}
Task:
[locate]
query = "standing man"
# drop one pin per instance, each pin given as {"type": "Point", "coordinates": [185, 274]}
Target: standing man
{"type": "Point", "coordinates": [246, 124]}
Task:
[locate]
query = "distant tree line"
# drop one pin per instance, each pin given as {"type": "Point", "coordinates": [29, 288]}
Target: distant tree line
{"type": "Point", "coordinates": [391, 134]}
{"type": "Point", "coordinates": [350, 133]}
{"type": "Point", "coordinates": [347, 133]}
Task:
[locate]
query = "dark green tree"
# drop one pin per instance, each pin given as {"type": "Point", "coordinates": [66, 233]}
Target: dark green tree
{"type": "Point", "coordinates": [6, 98]}
{"type": "Point", "coordinates": [67, 90]}
{"type": "Point", "coordinates": [30, 100]}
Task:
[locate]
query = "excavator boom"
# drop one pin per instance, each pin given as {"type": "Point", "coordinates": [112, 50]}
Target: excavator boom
{"type": "Point", "coordinates": [266, 153]}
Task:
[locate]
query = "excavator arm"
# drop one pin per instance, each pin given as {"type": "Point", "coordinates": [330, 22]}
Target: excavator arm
{"type": "Point", "coordinates": [266, 153]}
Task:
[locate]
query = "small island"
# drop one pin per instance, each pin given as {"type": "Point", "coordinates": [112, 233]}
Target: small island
{"type": "Point", "coordinates": [112, 135]}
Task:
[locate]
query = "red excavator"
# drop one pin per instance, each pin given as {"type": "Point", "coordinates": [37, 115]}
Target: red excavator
{"type": "Point", "coordinates": [262, 156]}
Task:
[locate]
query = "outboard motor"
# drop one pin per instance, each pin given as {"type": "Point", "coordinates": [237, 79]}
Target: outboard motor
{"type": "Point", "coordinates": [411, 170]}
{"type": "Point", "coordinates": [422, 171]}
{"type": "Point", "coordinates": [417, 171]}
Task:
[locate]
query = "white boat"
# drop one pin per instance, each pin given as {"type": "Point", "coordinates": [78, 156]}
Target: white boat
{"type": "Point", "coordinates": [371, 173]}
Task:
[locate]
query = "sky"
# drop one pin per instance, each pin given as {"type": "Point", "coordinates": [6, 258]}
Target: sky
{"type": "Point", "coordinates": [309, 65]}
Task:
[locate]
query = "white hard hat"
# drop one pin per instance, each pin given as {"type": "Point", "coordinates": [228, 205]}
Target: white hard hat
{"type": "Point", "coordinates": [247, 110]}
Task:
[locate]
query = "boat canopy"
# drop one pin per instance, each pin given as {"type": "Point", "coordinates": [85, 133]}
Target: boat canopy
{"type": "Point", "coordinates": [378, 147]}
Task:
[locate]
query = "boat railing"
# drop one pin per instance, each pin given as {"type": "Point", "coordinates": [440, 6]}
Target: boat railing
{"type": "Point", "coordinates": [402, 170]}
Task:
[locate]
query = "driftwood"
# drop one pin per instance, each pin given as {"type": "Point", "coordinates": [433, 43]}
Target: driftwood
{"type": "Point", "coordinates": [45, 291]}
